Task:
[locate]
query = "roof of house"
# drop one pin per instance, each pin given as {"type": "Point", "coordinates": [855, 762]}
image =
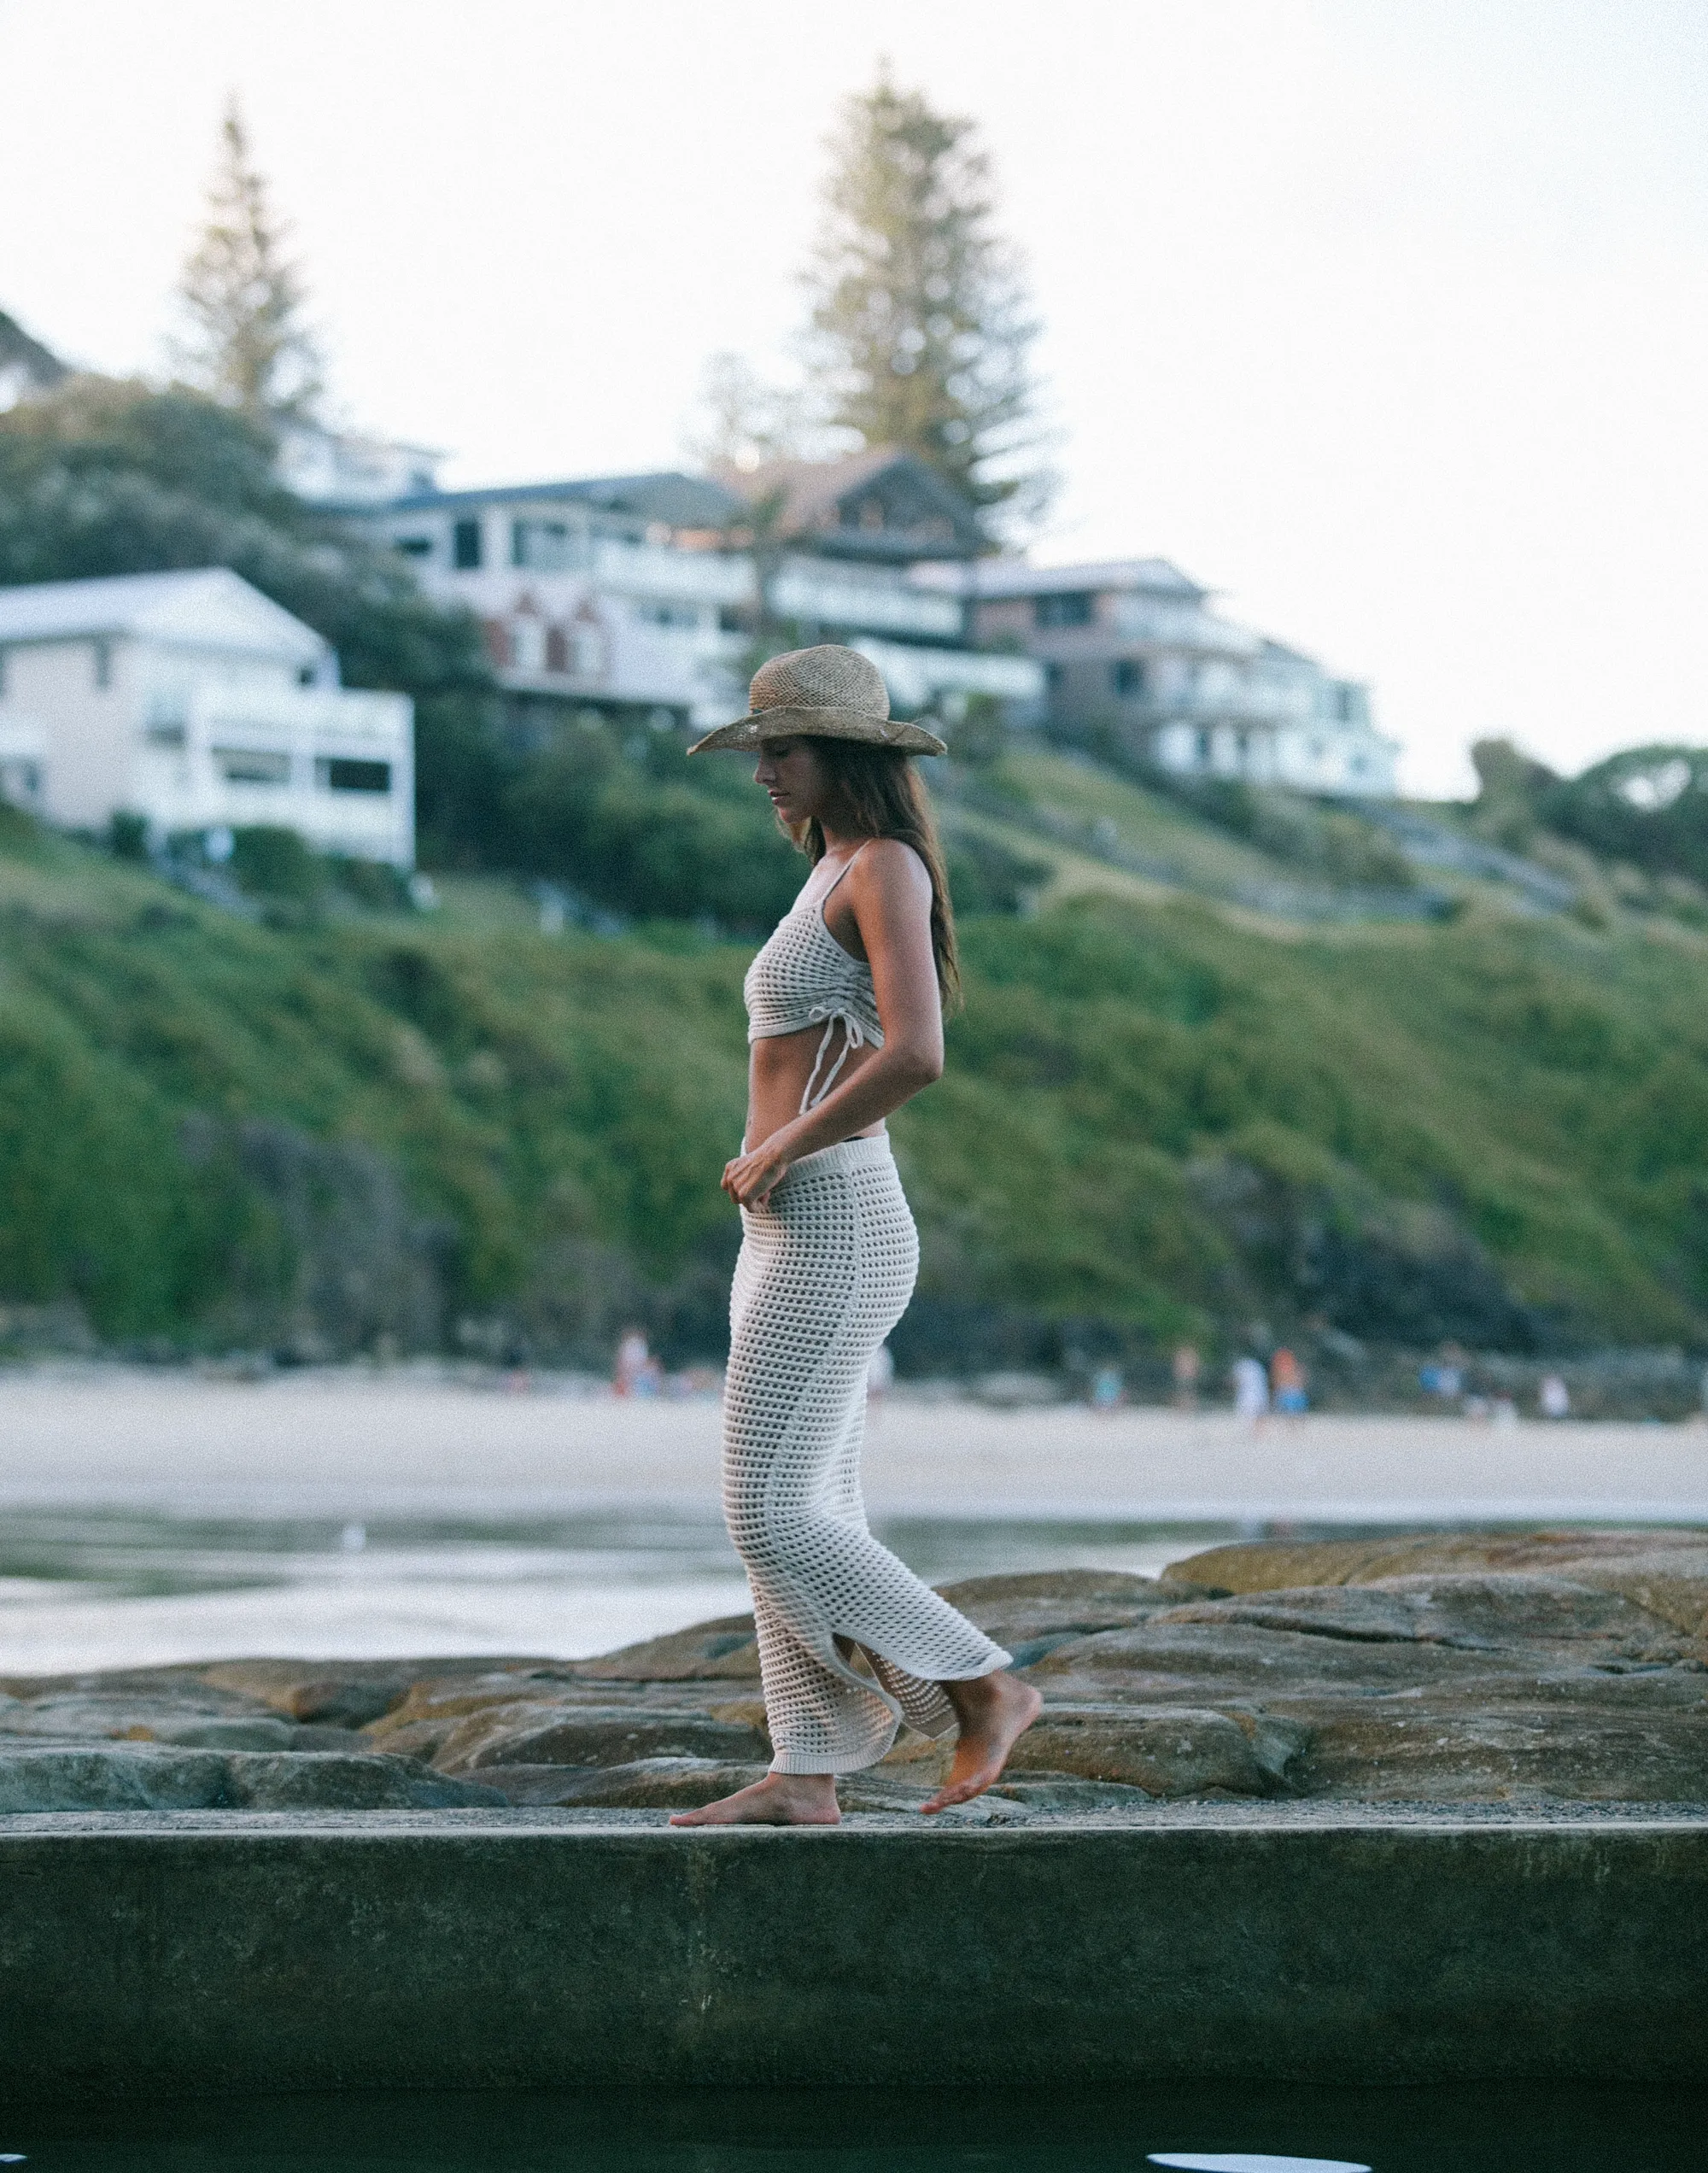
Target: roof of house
{"type": "Point", "coordinates": [209, 606]}
{"type": "Point", "coordinates": [35, 365]}
{"type": "Point", "coordinates": [1281, 653]}
{"type": "Point", "coordinates": [993, 579]}
{"type": "Point", "coordinates": [813, 498]}
{"type": "Point", "coordinates": [677, 500]}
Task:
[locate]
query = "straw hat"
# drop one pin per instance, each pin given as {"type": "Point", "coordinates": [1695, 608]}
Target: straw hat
{"type": "Point", "coordinates": [828, 692]}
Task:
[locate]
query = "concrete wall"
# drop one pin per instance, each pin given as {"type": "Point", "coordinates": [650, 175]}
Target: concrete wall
{"type": "Point", "coordinates": [211, 1952]}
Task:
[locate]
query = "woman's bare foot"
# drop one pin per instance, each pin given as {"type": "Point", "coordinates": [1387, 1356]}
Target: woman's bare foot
{"type": "Point", "coordinates": [780, 1799]}
{"type": "Point", "coordinates": [995, 1713]}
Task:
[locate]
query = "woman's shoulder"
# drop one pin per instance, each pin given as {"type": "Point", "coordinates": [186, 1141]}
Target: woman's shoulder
{"type": "Point", "coordinates": [887, 862]}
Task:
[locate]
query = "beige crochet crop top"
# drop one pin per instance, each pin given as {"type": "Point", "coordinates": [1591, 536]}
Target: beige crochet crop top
{"type": "Point", "coordinates": [804, 977]}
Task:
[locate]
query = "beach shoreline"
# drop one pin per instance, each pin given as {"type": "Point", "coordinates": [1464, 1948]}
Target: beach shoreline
{"type": "Point", "coordinates": [111, 1431]}
{"type": "Point", "coordinates": [157, 1516]}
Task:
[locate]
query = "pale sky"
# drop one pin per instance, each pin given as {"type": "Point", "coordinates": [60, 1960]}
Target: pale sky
{"type": "Point", "coordinates": [1384, 318]}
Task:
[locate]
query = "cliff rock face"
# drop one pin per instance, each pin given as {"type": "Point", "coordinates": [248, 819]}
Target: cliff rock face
{"type": "Point", "coordinates": [1543, 1667]}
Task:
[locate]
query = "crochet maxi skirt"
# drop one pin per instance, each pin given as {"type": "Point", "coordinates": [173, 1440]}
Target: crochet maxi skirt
{"type": "Point", "coordinates": [825, 1270]}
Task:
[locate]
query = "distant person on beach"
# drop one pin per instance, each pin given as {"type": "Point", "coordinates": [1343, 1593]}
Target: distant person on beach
{"type": "Point", "coordinates": [1444, 1377]}
{"type": "Point", "coordinates": [845, 1016]}
{"type": "Point", "coordinates": [1187, 1367]}
{"type": "Point", "coordinates": [1250, 1388]}
{"type": "Point", "coordinates": [1287, 1385]}
{"type": "Point", "coordinates": [637, 1372]}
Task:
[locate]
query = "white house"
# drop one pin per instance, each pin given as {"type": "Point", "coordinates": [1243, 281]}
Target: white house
{"type": "Point", "coordinates": [351, 467]}
{"type": "Point", "coordinates": [1134, 647]}
{"type": "Point", "coordinates": [192, 699]}
{"type": "Point", "coordinates": [641, 594]}
{"type": "Point", "coordinates": [588, 591]}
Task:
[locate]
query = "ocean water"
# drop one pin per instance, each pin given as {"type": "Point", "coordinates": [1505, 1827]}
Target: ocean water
{"type": "Point", "coordinates": [1504, 2127]}
{"type": "Point", "coordinates": [154, 1578]}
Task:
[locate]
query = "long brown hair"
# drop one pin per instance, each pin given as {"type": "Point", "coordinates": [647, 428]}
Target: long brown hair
{"type": "Point", "coordinates": [882, 793]}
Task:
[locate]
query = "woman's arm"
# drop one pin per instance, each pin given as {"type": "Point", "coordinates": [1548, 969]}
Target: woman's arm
{"type": "Point", "coordinates": [889, 894]}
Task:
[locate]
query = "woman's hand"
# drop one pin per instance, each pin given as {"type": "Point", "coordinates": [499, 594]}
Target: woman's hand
{"type": "Point", "coordinates": [748, 1178]}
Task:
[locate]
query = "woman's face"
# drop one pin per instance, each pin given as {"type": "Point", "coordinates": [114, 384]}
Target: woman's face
{"type": "Point", "coordinates": [795, 779]}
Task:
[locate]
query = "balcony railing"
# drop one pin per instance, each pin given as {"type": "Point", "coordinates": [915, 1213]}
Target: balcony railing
{"type": "Point", "coordinates": [661, 570]}
{"type": "Point", "coordinates": [816, 593]}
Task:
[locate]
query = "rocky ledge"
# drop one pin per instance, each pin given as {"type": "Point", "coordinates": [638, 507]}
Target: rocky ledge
{"type": "Point", "coordinates": [1533, 1668]}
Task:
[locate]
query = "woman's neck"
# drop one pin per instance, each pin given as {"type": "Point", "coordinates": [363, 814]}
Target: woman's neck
{"type": "Point", "coordinates": [840, 841]}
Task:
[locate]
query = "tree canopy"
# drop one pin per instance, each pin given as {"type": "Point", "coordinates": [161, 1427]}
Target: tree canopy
{"type": "Point", "coordinates": [921, 328]}
{"type": "Point", "coordinates": [250, 346]}
{"type": "Point", "coordinates": [105, 476]}
{"type": "Point", "coordinates": [920, 332]}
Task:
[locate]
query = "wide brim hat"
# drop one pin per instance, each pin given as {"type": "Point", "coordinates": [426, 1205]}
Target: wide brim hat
{"type": "Point", "coordinates": [827, 693]}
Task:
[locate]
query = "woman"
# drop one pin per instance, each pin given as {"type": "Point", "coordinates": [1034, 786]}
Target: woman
{"type": "Point", "coordinates": [844, 1008]}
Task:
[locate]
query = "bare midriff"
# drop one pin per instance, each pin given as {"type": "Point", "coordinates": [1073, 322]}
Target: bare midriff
{"type": "Point", "coordinates": [777, 1074]}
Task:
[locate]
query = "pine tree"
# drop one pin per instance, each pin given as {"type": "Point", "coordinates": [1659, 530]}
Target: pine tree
{"type": "Point", "coordinates": [921, 325]}
{"type": "Point", "coordinates": [244, 297]}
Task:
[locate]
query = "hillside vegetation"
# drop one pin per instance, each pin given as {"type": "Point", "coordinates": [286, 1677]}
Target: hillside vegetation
{"type": "Point", "coordinates": [1228, 1057]}
{"type": "Point", "coordinates": [336, 1129]}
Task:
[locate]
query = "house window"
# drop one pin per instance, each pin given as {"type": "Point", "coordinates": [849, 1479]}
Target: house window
{"type": "Point", "coordinates": [338, 773]}
{"type": "Point", "coordinates": [527, 645]}
{"type": "Point", "coordinates": [544, 545]}
{"type": "Point", "coordinates": [1347, 703]}
{"type": "Point", "coordinates": [1126, 677]}
{"type": "Point", "coordinates": [413, 546]}
{"type": "Point", "coordinates": [252, 765]}
{"type": "Point", "coordinates": [167, 717]}
{"type": "Point", "coordinates": [101, 653]}
{"type": "Point", "coordinates": [465, 545]}
{"type": "Point", "coordinates": [1054, 678]}
{"type": "Point", "coordinates": [1076, 608]}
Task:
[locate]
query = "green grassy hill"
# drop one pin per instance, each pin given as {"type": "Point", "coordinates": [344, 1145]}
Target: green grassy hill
{"type": "Point", "coordinates": [1163, 1114]}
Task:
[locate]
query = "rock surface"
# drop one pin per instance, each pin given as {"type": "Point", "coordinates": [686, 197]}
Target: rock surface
{"type": "Point", "coordinates": [149, 1777]}
{"type": "Point", "coordinates": [1526, 1667]}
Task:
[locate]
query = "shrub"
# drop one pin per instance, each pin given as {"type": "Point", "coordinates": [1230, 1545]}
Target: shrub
{"type": "Point", "coordinates": [272, 862]}
{"type": "Point", "coordinates": [127, 835]}
{"type": "Point", "coordinates": [1648, 806]}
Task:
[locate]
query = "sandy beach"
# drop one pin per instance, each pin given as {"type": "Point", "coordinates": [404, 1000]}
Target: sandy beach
{"type": "Point", "coordinates": [109, 1434]}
